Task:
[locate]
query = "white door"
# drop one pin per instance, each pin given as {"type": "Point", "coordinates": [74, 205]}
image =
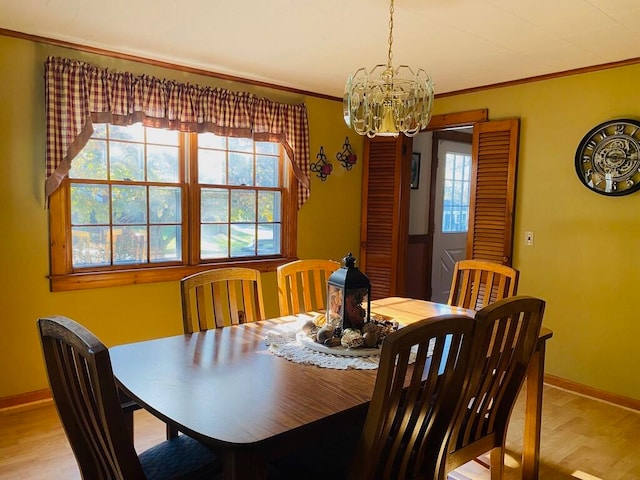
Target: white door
{"type": "Point", "coordinates": [453, 185]}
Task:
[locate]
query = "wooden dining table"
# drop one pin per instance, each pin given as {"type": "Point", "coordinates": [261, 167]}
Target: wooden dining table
{"type": "Point", "coordinates": [226, 389]}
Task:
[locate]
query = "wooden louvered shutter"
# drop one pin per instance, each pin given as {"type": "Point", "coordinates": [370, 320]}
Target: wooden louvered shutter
{"type": "Point", "coordinates": [492, 200]}
{"type": "Point", "coordinates": [385, 213]}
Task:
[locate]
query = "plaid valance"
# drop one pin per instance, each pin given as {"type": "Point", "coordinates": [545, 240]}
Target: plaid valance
{"type": "Point", "coordinates": [79, 94]}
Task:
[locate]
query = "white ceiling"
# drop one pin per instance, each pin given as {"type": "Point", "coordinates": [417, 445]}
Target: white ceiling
{"type": "Point", "coordinates": [314, 45]}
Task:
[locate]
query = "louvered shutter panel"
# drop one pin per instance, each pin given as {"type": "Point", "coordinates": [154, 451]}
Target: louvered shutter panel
{"type": "Point", "coordinates": [385, 210]}
{"type": "Point", "coordinates": [493, 191]}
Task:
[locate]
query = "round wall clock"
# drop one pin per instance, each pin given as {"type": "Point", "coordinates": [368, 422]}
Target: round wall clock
{"type": "Point", "coordinates": [608, 160]}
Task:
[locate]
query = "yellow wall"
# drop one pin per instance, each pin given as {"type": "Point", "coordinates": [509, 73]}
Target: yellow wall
{"type": "Point", "coordinates": [328, 224]}
{"type": "Point", "coordinates": [585, 260]}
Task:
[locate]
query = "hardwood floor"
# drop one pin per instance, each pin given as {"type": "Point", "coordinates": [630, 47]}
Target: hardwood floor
{"type": "Point", "coordinates": [582, 439]}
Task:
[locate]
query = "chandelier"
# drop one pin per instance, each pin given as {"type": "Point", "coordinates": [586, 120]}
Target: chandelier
{"type": "Point", "coordinates": [386, 102]}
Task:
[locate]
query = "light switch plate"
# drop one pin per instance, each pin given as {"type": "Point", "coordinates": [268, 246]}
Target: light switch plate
{"type": "Point", "coordinates": [528, 239]}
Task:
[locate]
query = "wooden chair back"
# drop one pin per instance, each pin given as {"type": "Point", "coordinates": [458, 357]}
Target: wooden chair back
{"type": "Point", "coordinates": [478, 283]}
{"type": "Point", "coordinates": [505, 338]}
{"type": "Point", "coordinates": [221, 297]}
{"type": "Point", "coordinates": [421, 374]}
{"type": "Point", "coordinates": [302, 285]}
{"type": "Point", "coordinates": [86, 396]}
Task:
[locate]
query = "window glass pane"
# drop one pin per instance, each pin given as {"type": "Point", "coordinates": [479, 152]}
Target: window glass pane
{"type": "Point", "coordinates": [458, 167]}
{"type": "Point", "coordinates": [448, 169]}
{"type": "Point", "coordinates": [240, 169]}
{"type": "Point", "coordinates": [209, 140]}
{"type": "Point", "coordinates": [162, 136]}
{"type": "Point", "coordinates": [163, 164]}
{"type": "Point", "coordinates": [268, 147]}
{"type": "Point", "coordinates": [134, 133]}
{"type": "Point", "coordinates": [243, 240]}
{"type": "Point", "coordinates": [243, 206]}
{"type": "Point", "coordinates": [241, 144]}
{"type": "Point", "coordinates": [214, 205]}
{"type": "Point", "coordinates": [268, 239]}
{"type": "Point", "coordinates": [467, 167]}
{"type": "Point", "coordinates": [127, 161]}
{"type": "Point", "coordinates": [448, 192]}
{"type": "Point", "coordinates": [268, 206]}
{"type": "Point", "coordinates": [214, 241]}
{"type": "Point", "coordinates": [212, 167]}
{"type": "Point", "coordinates": [99, 130]}
{"type": "Point", "coordinates": [91, 246]}
{"type": "Point", "coordinates": [129, 245]}
{"type": "Point", "coordinates": [91, 162]}
{"type": "Point", "coordinates": [165, 242]}
{"type": "Point", "coordinates": [89, 204]}
{"type": "Point", "coordinates": [266, 171]}
{"type": "Point", "coordinates": [129, 204]}
{"type": "Point", "coordinates": [165, 205]}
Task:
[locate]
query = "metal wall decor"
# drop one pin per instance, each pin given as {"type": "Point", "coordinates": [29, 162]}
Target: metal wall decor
{"type": "Point", "coordinates": [321, 167]}
{"type": "Point", "coordinates": [346, 156]}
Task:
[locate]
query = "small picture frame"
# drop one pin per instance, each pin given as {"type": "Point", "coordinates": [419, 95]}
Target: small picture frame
{"type": "Point", "coordinates": [415, 169]}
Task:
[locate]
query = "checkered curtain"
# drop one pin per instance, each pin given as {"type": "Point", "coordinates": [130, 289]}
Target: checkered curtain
{"type": "Point", "coordinates": [79, 94]}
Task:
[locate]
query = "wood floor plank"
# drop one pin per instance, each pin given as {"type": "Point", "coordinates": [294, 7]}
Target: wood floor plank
{"type": "Point", "coordinates": [582, 438]}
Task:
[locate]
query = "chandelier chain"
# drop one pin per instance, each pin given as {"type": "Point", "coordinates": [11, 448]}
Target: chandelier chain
{"type": "Point", "coordinates": [390, 34]}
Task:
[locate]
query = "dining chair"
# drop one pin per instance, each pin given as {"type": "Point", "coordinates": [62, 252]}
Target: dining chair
{"type": "Point", "coordinates": [85, 393]}
{"type": "Point", "coordinates": [505, 338]}
{"type": "Point", "coordinates": [421, 372]}
{"type": "Point", "coordinates": [477, 283]}
{"type": "Point", "coordinates": [221, 297]}
{"type": "Point", "coordinates": [302, 285]}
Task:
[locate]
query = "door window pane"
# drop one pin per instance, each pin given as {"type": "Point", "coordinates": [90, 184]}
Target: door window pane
{"type": "Point", "coordinates": [457, 181]}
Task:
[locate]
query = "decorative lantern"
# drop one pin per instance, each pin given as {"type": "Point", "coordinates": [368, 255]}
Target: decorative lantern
{"type": "Point", "coordinates": [348, 297]}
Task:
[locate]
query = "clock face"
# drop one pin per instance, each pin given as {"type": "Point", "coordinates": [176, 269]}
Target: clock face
{"type": "Point", "coordinates": [608, 160]}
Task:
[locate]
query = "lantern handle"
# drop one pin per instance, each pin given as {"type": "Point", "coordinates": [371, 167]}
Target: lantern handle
{"type": "Point", "coordinates": [349, 261]}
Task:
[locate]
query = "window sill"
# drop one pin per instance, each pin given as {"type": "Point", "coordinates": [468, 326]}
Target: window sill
{"type": "Point", "coordinates": [115, 278]}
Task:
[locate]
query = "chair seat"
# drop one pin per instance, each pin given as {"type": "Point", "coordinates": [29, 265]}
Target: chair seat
{"type": "Point", "coordinates": [181, 458]}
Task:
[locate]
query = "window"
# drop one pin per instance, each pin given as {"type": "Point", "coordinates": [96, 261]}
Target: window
{"type": "Point", "coordinates": [240, 197]}
{"type": "Point", "coordinates": [144, 204]}
{"type": "Point", "coordinates": [457, 184]}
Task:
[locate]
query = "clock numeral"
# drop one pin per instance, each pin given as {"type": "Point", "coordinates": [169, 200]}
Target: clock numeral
{"type": "Point", "coordinates": [603, 134]}
{"type": "Point", "coordinates": [592, 144]}
{"type": "Point", "coordinates": [620, 128]}
{"type": "Point", "coordinates": [586, 159]}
